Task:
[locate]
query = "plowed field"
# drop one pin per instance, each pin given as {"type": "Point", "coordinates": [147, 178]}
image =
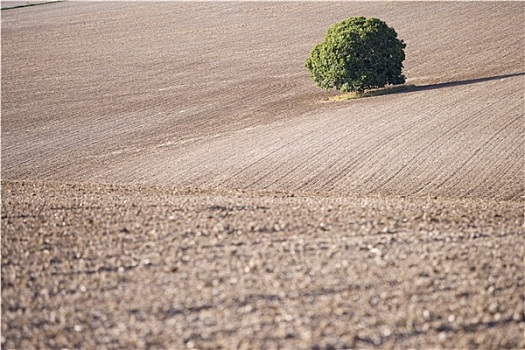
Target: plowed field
{"type": "Point", "coordinates": [171, 178]}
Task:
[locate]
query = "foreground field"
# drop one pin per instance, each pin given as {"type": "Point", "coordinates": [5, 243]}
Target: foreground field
{"type": "Point", "coordinates": [171, 178]}
{"type": "Point", "coordinates": [92, 266]}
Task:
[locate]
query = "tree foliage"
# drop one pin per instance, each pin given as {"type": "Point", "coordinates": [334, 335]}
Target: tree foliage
{"type": "Point", "coordinates": [358, 54]}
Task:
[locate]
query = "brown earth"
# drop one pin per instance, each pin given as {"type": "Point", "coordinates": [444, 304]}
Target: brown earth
{"type": "Point", "coordinates": [172, 178]}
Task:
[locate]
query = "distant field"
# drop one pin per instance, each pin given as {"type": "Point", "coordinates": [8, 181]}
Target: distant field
{"type": "Point", "coordinates": [220, 98]}
{"type": "Point", "coordinates": [152, 152]}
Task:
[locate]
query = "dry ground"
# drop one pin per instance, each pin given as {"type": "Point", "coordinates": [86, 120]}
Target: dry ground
{"type": "Point", "coordinates": [172, 178]}
{"type": "Point", "coordinates": [96, 266]}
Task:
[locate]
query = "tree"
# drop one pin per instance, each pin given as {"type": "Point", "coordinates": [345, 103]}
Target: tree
{"type": "Point", "coordinates": [358, 54]}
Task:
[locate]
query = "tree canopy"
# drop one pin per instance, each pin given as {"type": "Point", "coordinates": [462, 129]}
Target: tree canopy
{"type": "Point", "coordinates": [358, 54]}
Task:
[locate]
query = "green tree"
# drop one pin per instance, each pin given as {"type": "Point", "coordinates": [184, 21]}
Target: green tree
{"type": "Point", "coordinates": [358, 54]}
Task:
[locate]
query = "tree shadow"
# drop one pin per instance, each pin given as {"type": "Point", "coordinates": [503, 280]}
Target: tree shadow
{"type": "Point", "coordinates": [413, 88]}
{"type": "Point", "coordinates": [407, 88]}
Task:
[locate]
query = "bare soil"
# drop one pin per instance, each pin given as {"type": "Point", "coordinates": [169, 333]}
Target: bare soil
{"type": "Point", "coordinates": [172, 178]}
